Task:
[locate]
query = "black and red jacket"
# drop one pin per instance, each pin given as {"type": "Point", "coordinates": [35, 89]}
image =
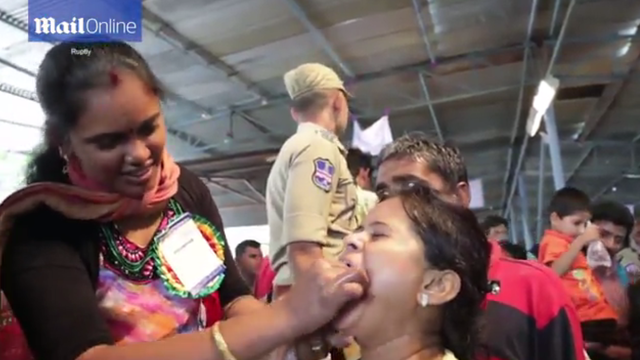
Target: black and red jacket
{"type": "Point", "coordinates": [529, 316]}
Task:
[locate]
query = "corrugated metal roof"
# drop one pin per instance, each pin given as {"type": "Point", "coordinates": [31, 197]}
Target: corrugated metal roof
{"type": "Point", "coordinates": [231, 54]}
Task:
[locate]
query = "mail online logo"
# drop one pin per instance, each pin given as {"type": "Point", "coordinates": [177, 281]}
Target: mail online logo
{"type": "Point", "coordinates": [85, 20]}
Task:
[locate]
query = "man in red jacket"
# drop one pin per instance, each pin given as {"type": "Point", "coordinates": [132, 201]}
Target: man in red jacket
{"type": "Point", "coordinates": [529, 316]}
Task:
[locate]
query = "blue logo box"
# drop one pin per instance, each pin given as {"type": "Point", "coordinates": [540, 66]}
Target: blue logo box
{"type": "Point", "coordinates": [85, 20]}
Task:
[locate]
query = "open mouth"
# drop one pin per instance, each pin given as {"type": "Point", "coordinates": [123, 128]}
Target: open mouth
{"type": "Point", "coordinates": [352, 312]}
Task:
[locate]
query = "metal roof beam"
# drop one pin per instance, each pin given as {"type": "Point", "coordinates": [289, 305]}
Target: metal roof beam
{"type": "Point", "coordinates": [301, 15]}
{"type": "Point", "coordinates": [594, 116]}
{"type": "Point", "coordinates": [552, 61]}
{"type": "Point", "coordinates": [172, 37]}
{"type": "Point", "coordinates": [165, 31]}
{"type": "Point", "coordinates": [417, 9]}
{"type": "Point", "coordinates": [231, 190]}
{"type": "Point", "coordinates": [518, 115]}
{"type": "Point", "coordinates": [583, 158]}
{"type": "Point", "coordinates": [16, 91]}
{"type": "Point", "coordinates": [618, 178]}
{"type": "Point", "coordinates": [17, 67]}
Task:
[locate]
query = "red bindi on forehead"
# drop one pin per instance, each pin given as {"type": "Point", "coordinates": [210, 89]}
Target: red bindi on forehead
{"type": "Point", "coordinates": [114, 78]}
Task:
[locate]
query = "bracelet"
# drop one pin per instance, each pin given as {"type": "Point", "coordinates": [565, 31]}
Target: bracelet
{"type": "Point", "coordinates": [222, 346]}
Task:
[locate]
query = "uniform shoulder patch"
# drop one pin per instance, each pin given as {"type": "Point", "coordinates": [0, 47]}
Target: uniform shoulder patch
{"type": "Point", "coordinates": [323, 171]}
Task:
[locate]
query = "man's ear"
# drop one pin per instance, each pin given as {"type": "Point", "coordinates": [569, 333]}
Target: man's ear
{"type": "Point", "coordinates": [464, 193]}
{"type": "Point", "coordinates": [294, 115]}
{"type": "Point", "coordinates": [336, 105]}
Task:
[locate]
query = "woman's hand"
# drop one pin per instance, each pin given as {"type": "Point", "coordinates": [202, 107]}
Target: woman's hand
{"type": "Point", "coordinates": [320, 292]}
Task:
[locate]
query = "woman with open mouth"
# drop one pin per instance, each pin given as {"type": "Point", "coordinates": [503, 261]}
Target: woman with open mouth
{"type": "Point", "coordinates": [426, 262]}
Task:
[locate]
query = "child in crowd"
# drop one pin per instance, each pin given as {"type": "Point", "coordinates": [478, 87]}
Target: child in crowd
{"type": "Point", "coordinates": [562, 248]}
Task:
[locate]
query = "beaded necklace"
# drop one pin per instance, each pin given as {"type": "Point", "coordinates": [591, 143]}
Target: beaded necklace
{"type": "Point", "coordinates": [143, 265]}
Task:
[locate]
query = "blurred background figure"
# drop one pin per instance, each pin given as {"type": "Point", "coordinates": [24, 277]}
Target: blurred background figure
{"type": "Point", "coordinates": [635, 235]}
{"type": "Point", "coordinates": [361, 168]}
{"type": "Point", "coordinates": [629, 257]}
{"type": "Point", "coordinates": [496, 228]}
{"type": "Point", "coordinates": [249, 258]}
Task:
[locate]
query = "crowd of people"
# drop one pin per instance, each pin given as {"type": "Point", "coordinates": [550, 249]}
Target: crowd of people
{"type": "Point", "coordinates": [114, 251]}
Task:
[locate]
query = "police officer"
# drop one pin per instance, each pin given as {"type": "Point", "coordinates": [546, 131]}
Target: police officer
{"type": "Point", "coordinates": [311, 195]}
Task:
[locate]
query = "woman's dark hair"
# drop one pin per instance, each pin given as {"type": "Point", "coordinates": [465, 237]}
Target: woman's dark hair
{"type": "Point", "coordinates": [62, 83]}
{"type": "Point", "coordinates": [453, 240]}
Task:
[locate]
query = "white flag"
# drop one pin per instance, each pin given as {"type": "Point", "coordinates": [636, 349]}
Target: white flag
{"type": "Point", "coordinates": [374, 138]}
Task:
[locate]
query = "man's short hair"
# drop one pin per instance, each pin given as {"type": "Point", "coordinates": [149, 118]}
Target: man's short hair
{"type": "Point", "coordinates": [442, 159]}
{"type": "Point", "coordinates": [492, 221]}
{"type": "Point", "coordinates": [568, 201]}
{"type": "Point", "coordinates": [614, 212]}
{"type": "Point", "coordinates": [357, 159]}
{"type": "Point", "coordinates": [312, 102]}
{"type": "Point", "coordinates": [243, 246]}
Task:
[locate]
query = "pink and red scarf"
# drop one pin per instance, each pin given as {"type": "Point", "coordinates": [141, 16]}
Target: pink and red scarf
{"type": "Point", "coordinates": [83, 200]}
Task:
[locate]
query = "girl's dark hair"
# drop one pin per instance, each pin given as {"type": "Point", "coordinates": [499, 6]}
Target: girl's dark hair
{"type": "Point", "coordinates": [453, 240]}
{"type": "Point", "coordinates": [62, 83]}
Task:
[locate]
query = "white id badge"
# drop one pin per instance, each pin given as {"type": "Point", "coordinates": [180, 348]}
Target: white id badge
{"type": "Point", "coordinates": [189, 255]}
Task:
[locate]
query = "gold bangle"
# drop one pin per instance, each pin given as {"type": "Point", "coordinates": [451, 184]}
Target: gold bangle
{"type": "Point", "coordinates": [220, 343]}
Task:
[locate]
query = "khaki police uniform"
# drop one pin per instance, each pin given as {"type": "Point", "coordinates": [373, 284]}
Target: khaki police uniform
{"type": "Point", "coordinates": [310, 195]}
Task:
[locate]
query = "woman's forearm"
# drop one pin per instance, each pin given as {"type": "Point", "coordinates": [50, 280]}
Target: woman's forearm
{"type": "Point", "coordinates": [247, 337]}
{"type": "Point", "coordinates": [248, 305]}
{"type": "Point", "coordinates": [243, 306]}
